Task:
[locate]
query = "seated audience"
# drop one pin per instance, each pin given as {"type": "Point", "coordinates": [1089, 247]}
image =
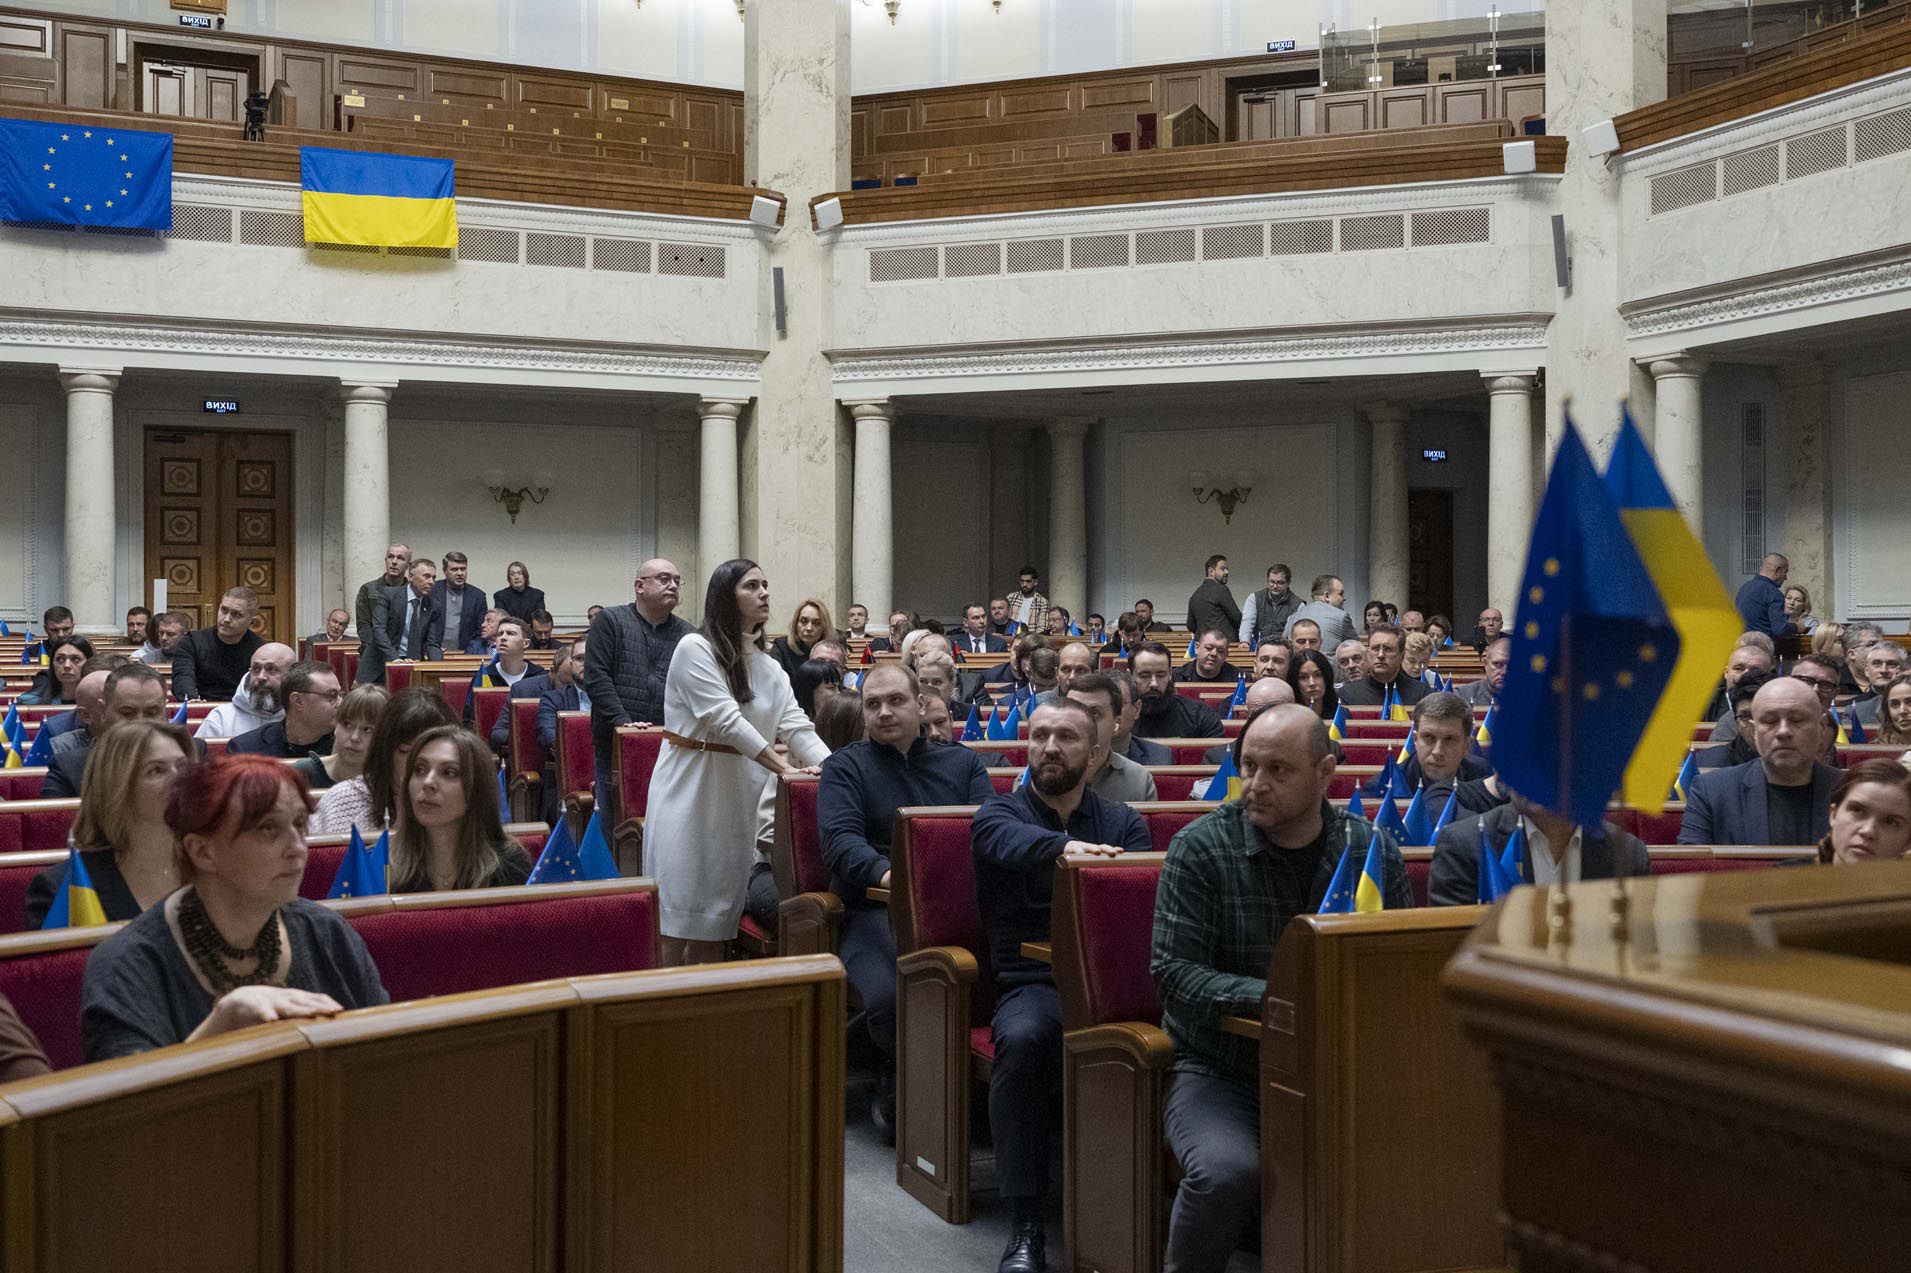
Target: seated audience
{"type": "Point", "coordinates": [938, 723]}
{"type": "Point", "coordinates": [56, 622]}
{"type": "Point", "coordinates": [1384, 676]}
{"type": "Point", "coordinates": [210, 662]}
{"type": "Point", "coordinates": [255, 701]}
{"type": "Point", "coordinates": [450, 831]}
{"type": "Point", "coordinates": [1095, 628]}
{"type": "Point", "coordinates": [936, 673]}
{"type": "Point", "coordinates": [1044, 669]}
{"type": "Point", "coordinates": [1127, 742]}
{"type": "Point", "coordinates": [1557, 852]}
{"type": "Point", "coordinates": [1305, 634]}
{"type": "Point", "coordinates": [1884, 663]}
{"type": "Point", "coordinates": [1264, 693]}
{"type": "Point", "coordinates": [1440, 628]}
{"type": "Point", "coordinates": [974, 637]}
{"type": "Point", "coordinates": [813, 679]}
{"type": "Point", "coordinates": [1271, 659]}
{"type": "Point", "coordinates": [1822, 673]}
{"type": "Point", "coordinates": [1859, 638]}
{"type": "Point", "coordinates": [131, 691]}
{"type": "Point", "coordinates": [236, 945]}
{"type": "Point", "coordinates": [1017, 839]}
{"type": "Point", "coordinates": [518, 598]}
{"type": "Point", "coordinates": [590, 615]}
{"type": "Point", "coordinates": [1165, 713]}
{"type": "Point", "coordinates": [1783, 797]}
{"type": "Point", "coordinates": [86, 721]}
{"type": "Point", "coordinates": [1894, 719]}
{"type": "Point", "coordinates": [1145, 617]}
{"type": "Point", "coordinates": [1075, 658]}
{"type": "Point", "coordinates": [542, 627]}
{"type": "Point", "coordinates": [1373, 616]}
{"type": "Point", "coordinates": [1870, 815]}
{"type": "Point", "coordinates": [1440, 766]}
{"type": "Point", "coordinates": [1323, 610]}
{"type": "Point", "coordinates": [1748, 657]}
{"type": "Point", "coordinates": [1311, 677]}
{"type": "Point", "coordinates": [1058, 621]}
{"type": "Point", "coordinates": [485, 643]}
{"type": "Point", "coordinates": [860, 790]}
{"type": "Point", "coordinates": [839, 720]}
{"type": "Point", "coordinates": [1798, 609]}
{"type": "Point", "coordinates": [1350, 660]}
{"type": "Point", "coordinates": [1413, 621]}
{"type": "Point", "coordinates": [1416, 660]}
{"type": "Point", "coordinates": [164, 634]}
{"type": "Point", "coordinates": [1210, 661]}
{"type": "Point", "coordinates": [810, 624]}
{"type": "Point", "coordinates": [352, 732]}
{"type": "Point", "coordinates": [370, 801]}
{"type": "Point", "coordinates": [311, 696]}
{"type": "Point", "coordinates": [1487, 630]}
{"type": "Point", "coordinates": [137, 620]}
{"type": "Point", "coordinates": [1497, 657]}
{"type": "Point", "coordinates": [59, 681]}
{"type": "Point", "coordinates": [1740, 749]}
{"type": "Point", "coordinates": [121, 829]}
{"type": "Point", "coordinates": [338, 621]}
{"type": "Point", "coordinates": [1111, 775]}
{"type": "Point", "coordinates": [1126, 636]}
{"type": "Point", "coordinates": [900, 625]}
{"type": "Point", "coordinates": [856, 623]}
{"type": "Point", "coordinates": [510, 639]}
{"type": "Point", "coordinates": [567, 672]}
{"type": "Point", "coordinates": [1229, 885]}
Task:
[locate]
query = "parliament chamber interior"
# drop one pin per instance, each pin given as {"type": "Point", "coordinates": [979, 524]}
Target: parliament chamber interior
{"type": "Point", "coordinates": [665, 692]}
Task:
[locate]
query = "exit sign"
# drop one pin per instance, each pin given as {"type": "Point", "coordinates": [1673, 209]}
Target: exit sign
{"type": "Point", "coordinates": [222, 406]}
{"type": "Point", "coordinates": [196, 21]}
{"type": "Point", "coordinates": [1280, 46]}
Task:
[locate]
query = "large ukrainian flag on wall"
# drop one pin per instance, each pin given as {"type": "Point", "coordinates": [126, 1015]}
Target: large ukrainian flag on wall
{"type": "Point", "coordinates": [391, 201]}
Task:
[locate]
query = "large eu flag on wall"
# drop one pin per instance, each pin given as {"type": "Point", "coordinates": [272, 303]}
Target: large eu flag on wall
{"type": "Point", "coordinates": [73, 174]}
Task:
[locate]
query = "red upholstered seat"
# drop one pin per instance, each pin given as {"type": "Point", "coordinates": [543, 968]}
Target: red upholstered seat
{"type": "Point", "coordinates": [1366, 753]}
{"type": "Point", "coordinates": [1661, 827]}
{"type": "Point", "coordinates": [322, 856]}
{"type": "Point", "coordinates": [36, 825]}
{"type": "Point", "coordinates": [22, 784]}
{"type": "Point", "coordinates": [16, 873]}
{"type": "Point", "coordinates": [455, 690]}
{"type": "Point", "coordinates": [942, 894]}
{"type": "Point", "coordinates": [527, 753]}
{"type": "Point", "coordinates": [806, 838]}
{"type": "Point", "coordinates": [490, 706]}
{"type": "Point", "coordinates": [1003, 780]}
{"type": "Point", "coordinates": [637, 752]}
{"type": "Point", "coordinates": [44, 989]}
{"type": "Point", "coordinates": [398, 678]}
{"type": "Point", "coordinates": [755, 931]}
{"type": "Point", "coordinates": [576, 758]}
{"type": "Point", "coordinates": [1115, 908]}
{"type": "Point", "coordinates": [982, 1041]}
{"type": "Point", "coordinates": [1163, 823]}
{"type": "Point", "coordinates": [1191, 751]}
{"type": "Point", "coordinates": [1419, 877]}
{"type": "Point", "coordinates": [1178, 786]}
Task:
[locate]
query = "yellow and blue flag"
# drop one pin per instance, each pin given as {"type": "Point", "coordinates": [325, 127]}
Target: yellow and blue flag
{"type": "Point", "coordinates": [1226, 783]}
{"type": "Point", "coordinates": [1696, 602]}
{"type": "Point", "coordinates": [10, 757]}
{"type": "Point", "coordinates": [1337, 727]}
{"type": "Point", "coordinates": [1593, 648]}
{"type": "Point", "coordinates": [1370, 894]}
{"type": "Point", "coordinates": [1406, 748]}
{"type": "Point", "coordinates": [363, 872]}
{"type": "Point", "coordinates": [484, 680]}
{"type": "Point", "coordinates": [76, 904]}
{"type": "Point", "coordinates": [565, 859]}
{"type": "Point", "coordinates": [1483, 736]}
{"type": "Point", "coordinates": [71, 174]}
{"type": "Point", "coordinates": [1687, 772]}
{"type": "Point", "coordinates": [375, 200]}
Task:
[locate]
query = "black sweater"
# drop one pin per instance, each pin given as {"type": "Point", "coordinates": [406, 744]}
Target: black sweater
{"type": "Point", "coordinates": [206, 667]}
{"type": "Point", "coordinates": [862, 787]}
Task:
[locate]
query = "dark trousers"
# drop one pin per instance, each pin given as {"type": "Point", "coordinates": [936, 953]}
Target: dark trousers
{"type": "Point", "coordinates": [760, 901]}
{"type": "Point", "coordinates": [1025, 1087]}
{"type": "Point", "coordinates": [604, 796]}
{"type": "Point", "coordinates": [869, 957]}
{"type": "Point", "coordinates": [1214, 1128]}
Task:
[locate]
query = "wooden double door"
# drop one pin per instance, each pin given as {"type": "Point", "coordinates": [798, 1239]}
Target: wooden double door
{"type": "Point", "coordinates": [219, 513]}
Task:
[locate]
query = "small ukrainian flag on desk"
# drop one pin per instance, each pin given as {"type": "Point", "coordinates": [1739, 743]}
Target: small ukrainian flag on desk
{"type": "Point", "coordinates": [373, 200]}
{"type": "Point", "coordinates": [77, 904]}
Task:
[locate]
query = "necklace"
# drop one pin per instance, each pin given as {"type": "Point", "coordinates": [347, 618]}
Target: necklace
{"type": "Point", "coordinates": [211, 953]}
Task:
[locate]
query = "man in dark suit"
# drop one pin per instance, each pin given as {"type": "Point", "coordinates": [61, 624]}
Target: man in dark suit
{"type": "Point", "coordinates": [1211, 606]}
{"type": "Point", "coordinates": [1761, 599]}
{"type": "Point", "coordinates": [1440, 766]}
{"type": "Point", "coordinates": [464, 607]}
{"type": "Point", "coordinates": [559, 691]}
{"type": "Point", "coordinates": [210, 662]}
{"type": "Point", "coordinates": [1783, 797]}
{"type": "Point", "coordinates": [899, 625]}
{"type": "Point", "coordinates": [1384, 648]}
{"type": "Point", "coordinates": [974, 636]}
{"type": "Point", "coordinates": [406, 624]}
{"type": "Point", "coordinates": [1556, 852]}
{"type": "Point", "coordinates": [132, 691]}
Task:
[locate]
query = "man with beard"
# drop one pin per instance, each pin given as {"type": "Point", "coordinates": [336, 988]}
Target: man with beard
{"type": "Point", "coordinates": [1485, 692]}
{"type": "Point", "coordinates": [1229, 885]}
{"type": "Point", "coordinates": [1127, 742]}
{"type": "Point", "coordinates": [1264, 617]}
{"type": "Point", "coordinates": [255, 703]}
{"type": "Point", "coordinates": [1017, 838]}
{"type": "Point", "coordinates": [1271, 660]}
{"type": "Point", "coordinates": [1164, 713]}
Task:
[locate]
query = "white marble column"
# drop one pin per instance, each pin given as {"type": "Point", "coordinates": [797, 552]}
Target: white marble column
{"type": "Point", "coordinates": [872, 536]}
{"type": "Point", "coordinates": [1603, 58]}
{"type": "Point", "coordinates": [1387, 505]}
{"type": "Point", "coordinates": [1678, 433]}
{"type": "Point", "coordinates": [1804, 432]}
{"type": "Point", "coordinates": [367, 479]}
{"type": "Point", "coordinates": [1509, 465]}
{"type": "Point", "coordinates": [796, 140]}
{"type": "Point", "coordinates": [1068, 516]}
{"type": "Point", "coordinates": [718, 535]}
{"type": "Point", "coordinates": [91, 501]}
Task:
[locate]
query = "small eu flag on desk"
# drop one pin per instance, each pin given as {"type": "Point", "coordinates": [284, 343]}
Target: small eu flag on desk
{"type": "Point", "coordinates": [70, 174]}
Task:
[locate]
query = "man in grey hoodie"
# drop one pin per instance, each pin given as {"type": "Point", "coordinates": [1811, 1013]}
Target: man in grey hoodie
{"type": "Point", "coordinates": [255, 703]}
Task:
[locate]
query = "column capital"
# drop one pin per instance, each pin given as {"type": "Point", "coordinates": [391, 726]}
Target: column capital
{"type": "Point", "coordinates": [89, 379]}
{"type": "Point", "coordinates": [377, 391]}
{"type": "Point", "coordinates": [861, 409]}
{"type": "Point", "coordinates": [1386, 413]}
{"type": "Point", "coordinates": [1675, 365]}
{"type": "Point", "coordinates": [1510, 381]}
{"type": "Point", "coordinates": [721, 408]}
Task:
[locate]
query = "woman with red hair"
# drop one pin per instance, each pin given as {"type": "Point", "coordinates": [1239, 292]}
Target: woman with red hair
{"type": "Point", "coordinates": [236, 945]}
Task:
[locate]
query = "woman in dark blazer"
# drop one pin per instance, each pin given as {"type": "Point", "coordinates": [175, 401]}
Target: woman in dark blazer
{"type": "Point", "coordinates": [518, 599]}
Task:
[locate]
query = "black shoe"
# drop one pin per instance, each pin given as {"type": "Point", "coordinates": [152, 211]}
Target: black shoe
{"type": "Point", "coordinates": [1027, 1248]}
{"type": "Point", "coordinates": [882, 1112]}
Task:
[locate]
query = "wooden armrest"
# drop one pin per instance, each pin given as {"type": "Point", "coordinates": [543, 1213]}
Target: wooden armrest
{"type": "Point", "coordinates": [950, 963]}
{"type": "Point", "coordinates": [1246, 1027]}
{"type": "Point", "coordinates": [1147, 1046]}
{"type": "Point", "coordinates": [877, 894]}
{"type": "Point", "coordinates": [810, 924]}
{"type": "Point", "coordinates": [1040, 951]}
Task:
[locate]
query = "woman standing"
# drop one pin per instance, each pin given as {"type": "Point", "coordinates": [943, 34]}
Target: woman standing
{"type": "Point", "coordinates": [808, 625]}
{"type": "Point", "coordinates": [726, 702]}
{"type": "Point", "coordinates": [518, 598]}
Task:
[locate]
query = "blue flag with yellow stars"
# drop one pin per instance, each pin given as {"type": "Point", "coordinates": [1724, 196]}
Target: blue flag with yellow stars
{"type": "Point", "coordinates": [1593, 648]}
{"type": "Point", "coordinates": [69, 174]}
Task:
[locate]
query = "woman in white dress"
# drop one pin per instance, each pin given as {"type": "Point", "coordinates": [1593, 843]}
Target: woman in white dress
{"type": "Point", "coordinates": [726, 703]}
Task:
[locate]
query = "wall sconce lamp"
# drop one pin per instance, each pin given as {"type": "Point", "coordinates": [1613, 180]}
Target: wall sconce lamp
{"type": "Point", "coordinates": [1227, 492]}
{"type": "Point", "coordinates": [513, 497]}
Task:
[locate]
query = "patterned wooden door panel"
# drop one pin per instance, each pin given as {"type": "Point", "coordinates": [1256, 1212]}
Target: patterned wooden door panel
{"type": "Point", "coordinates": [219, 513]}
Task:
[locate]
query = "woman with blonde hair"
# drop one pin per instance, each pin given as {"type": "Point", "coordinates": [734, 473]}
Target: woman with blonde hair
{"type": "Point", "coordinates": [810, 624]}
{"type": "Point", "coordinates": [1416, 654]}
{"type": "Point", "coordinates": [450, 832]}
{"type": "Point", "coordinates": [1798, 608]}
{"type": "Point", "coordinates": [121, 830]}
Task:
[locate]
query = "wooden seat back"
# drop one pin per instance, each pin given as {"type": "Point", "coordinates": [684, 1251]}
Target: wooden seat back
{"type": "Point", "coordinates": [30, 826]}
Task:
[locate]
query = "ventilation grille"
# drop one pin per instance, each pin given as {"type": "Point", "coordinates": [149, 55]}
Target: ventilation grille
{"type": "Point", "coordinates": [1750, 170]}
{"type": "Point", "coordinates": [627, 256]}
{"type": "Point", "coordinates": [1448, 226]}
{"type": "Point", "coordinates": [202, 224]}
{"type": "Point", "coordinates": [361, 249]}
{"type": "Point", "coordinates": [1372, 234]}
{"type": "Point", "coordinates": [1879, 135]}
{"type": "Point", "coordinates": [441, 254]}
{"type": "Point", "coordinates": [1232, 242]}
{"type": "Point", "coordinates": [1034, 256]}
{"type": "Point", "coordinates": [1815, 152]}
{"type": "Point", "coordinates": [271, 229]}
{"type": "Point", "coordinates": [895, 265]}
{"type": "Point", "coordinates": [1164, 247]}
{"type": "Point", "coordinates": [1300, 238]}
{"type": "Point", "coordinates": [1097, 251]}
{"type": "Point", "coordinates": [489, 243]}
{"type": "Point", "coordinates": [690, 260]}
{"type": "Point", "coordinates": [972, 260]}
{"type": "Point", "coordinates": [563, 251]}
{"type": "Point", "coordinates": [1686, 188]}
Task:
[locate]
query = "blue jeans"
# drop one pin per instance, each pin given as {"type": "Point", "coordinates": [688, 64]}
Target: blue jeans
{"type": "Point", "coordinates": [1213, 1125]}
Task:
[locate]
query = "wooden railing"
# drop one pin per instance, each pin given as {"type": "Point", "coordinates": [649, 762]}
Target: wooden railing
{"type": "Point", "coordinates": [1808, 75]}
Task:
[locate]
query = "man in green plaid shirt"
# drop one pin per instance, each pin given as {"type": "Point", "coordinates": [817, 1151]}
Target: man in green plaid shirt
{"type": "Point", "coordinates": [1228, 887]}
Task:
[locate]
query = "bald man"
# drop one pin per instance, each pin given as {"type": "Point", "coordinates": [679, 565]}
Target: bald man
{"type": "Point", "coordinates": [1262, 693]}
{"type": "Point", "coordinates": [626, 659]}
{"type": "Point", "coordinates": [1761, 600]}
{"type": "Point", "coordinates": [1229, 885]}
{"type": "Point", "coordinates": [255, 704]}
{"type": "Point", "coordinates": [1783, 797]}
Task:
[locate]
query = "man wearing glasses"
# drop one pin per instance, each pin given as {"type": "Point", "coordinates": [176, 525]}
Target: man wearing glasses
{"type": "Point", "coordinates": [626, 658]}
{"type": "Point", "coordinates": [311, 696]}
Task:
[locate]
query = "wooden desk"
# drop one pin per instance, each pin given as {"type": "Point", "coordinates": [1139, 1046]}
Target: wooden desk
{"type": "Point", "coordinates": [1701, 1071]}
{"type": "Point", "coordinates": [877, 895]}
{"type": "Point", "coordinates": [1040, 951]}
{"type": "Point", "coordinates": [1245, 1027]}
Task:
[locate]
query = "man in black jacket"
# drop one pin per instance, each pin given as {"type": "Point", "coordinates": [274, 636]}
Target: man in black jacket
{"type": "Point", "coordinates": [1164, 713]}
{"type": "Point", "coordinates": [406, 624]}
{"type": "Point", "coordinates": [1556, 852]}
{"type": "Point", "coordinates": [627, 658]}
{"type": "Point", "coordinates": [209, 662]}
{"type": "Point", "coordinates": [1211, 605]}
{"type": "Point", "coordinates": [1384, 648]}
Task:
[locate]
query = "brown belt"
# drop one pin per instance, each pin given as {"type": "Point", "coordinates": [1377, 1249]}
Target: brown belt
{"type": "Point", "coordinates": [697, 744]}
